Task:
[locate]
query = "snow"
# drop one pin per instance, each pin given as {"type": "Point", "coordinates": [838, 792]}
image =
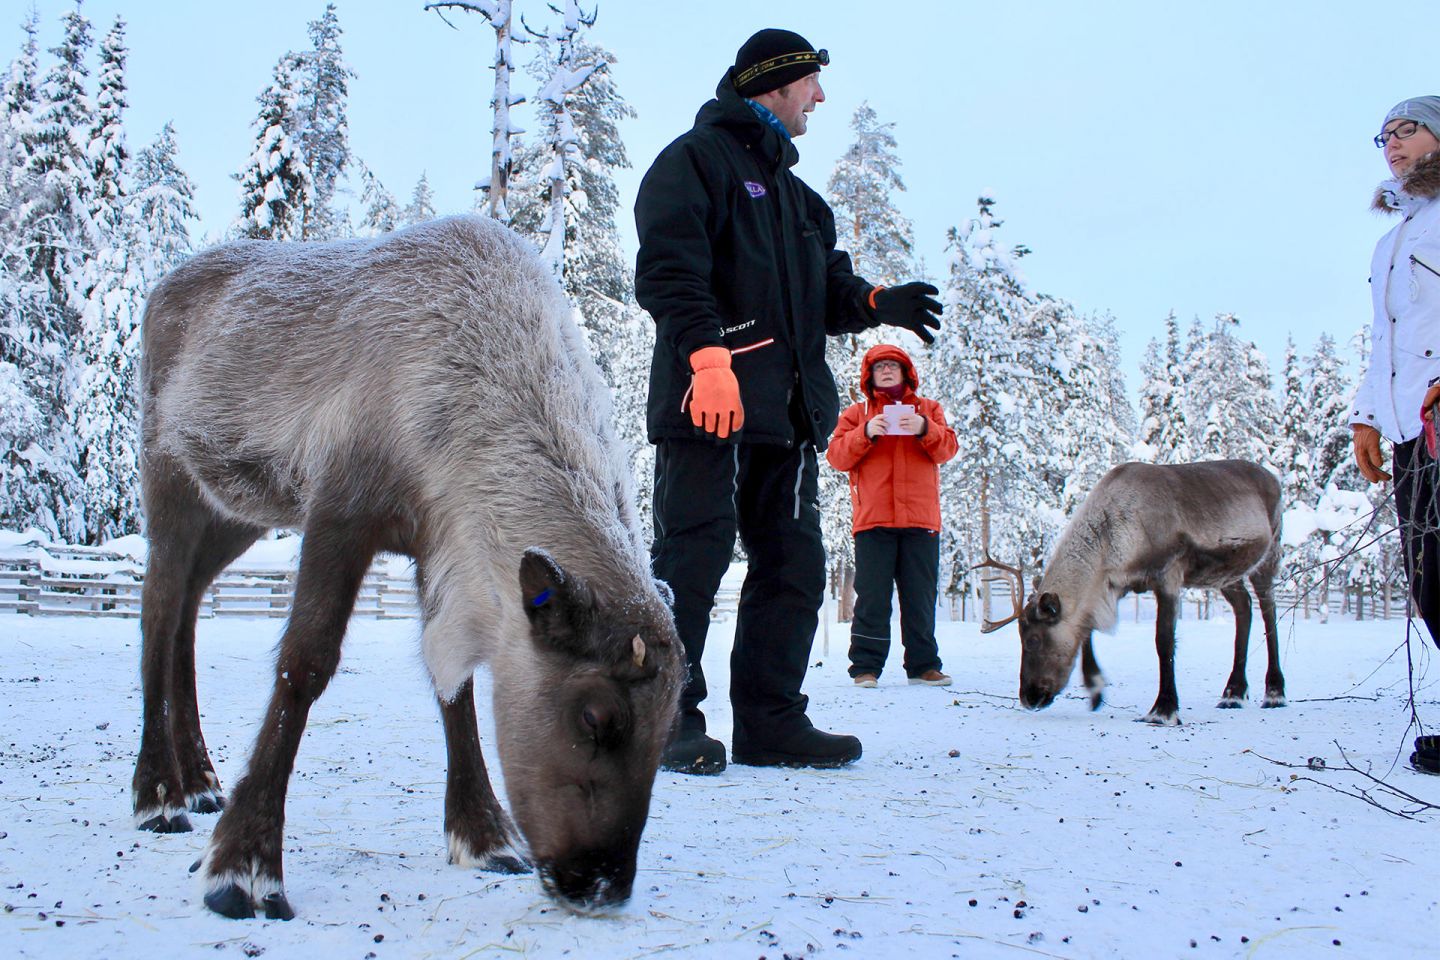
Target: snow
{"type": "Point", "coordinates": [1073, 834]}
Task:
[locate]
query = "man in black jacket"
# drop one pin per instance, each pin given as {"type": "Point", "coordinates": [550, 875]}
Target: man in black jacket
{"type": "Point", "coordinates": [738, 269]}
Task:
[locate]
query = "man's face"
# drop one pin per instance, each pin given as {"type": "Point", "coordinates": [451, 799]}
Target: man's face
{"type": "Point", "coordinates": [793, 102]}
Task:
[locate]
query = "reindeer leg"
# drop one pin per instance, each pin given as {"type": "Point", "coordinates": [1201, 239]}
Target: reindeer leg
{"type": "Point", "coordinates": [1274, 679]}
{"type": "Point", "coordinates": [479, 832]}
{"type": "Point", "coordinates": [1090, 670]}
{"type": "Point", "coordinates": [1166, 711]}
{"type": "Point", "coordinates": [242, 864]}
{"type": "Point", "coordinates": [189, 544]}
{"type": "Point", "coordinates": [224, 541]}
{"type": "Point", "coordinates": [156, 789]}
{"type": "Point", "coordinates": [1236, 687]}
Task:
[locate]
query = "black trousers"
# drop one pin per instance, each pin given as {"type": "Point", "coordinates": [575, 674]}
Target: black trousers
{"type": "Point", "coordinates": [704, 494]}
{"type": "Point", "coordinates": [1419, 511]}
{"type": "Point", "coordinates": [906, 560]}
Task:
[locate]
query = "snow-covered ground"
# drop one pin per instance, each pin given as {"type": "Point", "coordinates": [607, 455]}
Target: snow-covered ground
{"type": "Point", "coordinates": [970, 828]}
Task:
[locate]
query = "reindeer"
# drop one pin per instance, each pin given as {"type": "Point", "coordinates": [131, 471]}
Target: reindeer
{"type": "Point", "coordinates": [425, 393]}
{"type": "Point", "coordinates": [1158, 528]}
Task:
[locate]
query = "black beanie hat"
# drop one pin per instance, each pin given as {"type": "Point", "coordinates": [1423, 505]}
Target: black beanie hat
{"type": "Point", "coordinates": [773, 58]}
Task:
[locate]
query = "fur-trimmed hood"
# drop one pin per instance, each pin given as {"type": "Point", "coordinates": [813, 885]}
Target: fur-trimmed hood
{"type": "Point", "coordinates": [1422, 182]}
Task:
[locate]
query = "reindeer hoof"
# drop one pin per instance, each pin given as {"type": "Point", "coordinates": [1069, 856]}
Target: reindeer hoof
{"type": "Point", "coordinates": [230, 901]}
{"type": "Point", "coordinates": [1273, 700]}
{"type": "Point", "coordinates": [277, 907]}
{"type": "Point", "coordinates": [174, 822]}
{"type": "Point", "coordinates": [504, 863]}
{"type": "Point", "coordinates": [1161, 719]}
{"type": "Point", "coordinates": [1230, 702]}
{"type": "Point", "coordinates": [207, 803]}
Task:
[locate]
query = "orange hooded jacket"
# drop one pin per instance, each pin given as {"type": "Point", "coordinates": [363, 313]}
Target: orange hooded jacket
{"type": "Point", "coordinates": [894, 480]}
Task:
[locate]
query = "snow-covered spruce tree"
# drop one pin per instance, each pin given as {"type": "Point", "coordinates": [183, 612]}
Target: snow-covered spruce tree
{"type": "Point", "coordinates": [1164, 429]}
{"type": "Point", "coordinates": [382, 213]}
{"type": "Point", "coordinates": [422, 203]}
{"type": "Point", "coordinates": [495, 185]}
{"type": "Point", "coordinates": [563, 75]}
{"type": "Point", "coordinates": [880, 241]}
{"type": "Point", "coordinates": [596, 272]}
{"type": "Point", "coordinates": [105, 415]}
{"type": "Point", "coordinates": [1325, 404]}
{"type": "Point", "coordinates": [1087, 418]}
{"type": "Point", "coordinates": [161, 206]}
{"type": "Point", "coordinates": [1230, 394]}
{"type": "Point", "coordinates": [50, 239]}
{"type": "Point", "coordinates": [1295, 438]}
{"type": "Point", "coordinates": [19, 96]}
{"type": "Point", "coordinates": [56, 227]}
{"type": "Point", "coordinates": [974, 367]}
{"type": "Point", "coordinates": [277, 194]}
{"type": "Point", "coordinates": [321, 127]}
{"type": "Point", "coordinates": [108, 153]}
{"type": "Point", "coordinates": [861, 191]}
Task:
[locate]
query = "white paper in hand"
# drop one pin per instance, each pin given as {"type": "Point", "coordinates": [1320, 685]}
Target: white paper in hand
{"type": "Point", "coordinates": [893, 412]}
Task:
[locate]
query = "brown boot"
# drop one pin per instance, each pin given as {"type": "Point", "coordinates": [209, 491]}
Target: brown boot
{"type": "Point", "coordinates": [932, 678]}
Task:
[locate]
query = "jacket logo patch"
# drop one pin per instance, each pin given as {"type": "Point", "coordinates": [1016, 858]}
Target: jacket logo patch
{"type": "Point", "coordinates": [756, 190]}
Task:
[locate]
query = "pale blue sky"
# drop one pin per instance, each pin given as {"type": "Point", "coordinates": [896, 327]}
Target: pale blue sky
{"type": "Point", "coordinates": [1154, 156]}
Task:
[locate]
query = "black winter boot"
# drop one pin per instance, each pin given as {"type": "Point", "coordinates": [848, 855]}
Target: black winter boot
{"type": "Point", "coordinates": [1426, 757]}
{"type": "Point", "coordinates": [694, 753]}
{"type": "Point", "coordinates": [806, 747]}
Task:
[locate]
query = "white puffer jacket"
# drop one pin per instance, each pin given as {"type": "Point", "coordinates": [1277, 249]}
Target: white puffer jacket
{"type": "Point", "coordinates": [1405, 290]}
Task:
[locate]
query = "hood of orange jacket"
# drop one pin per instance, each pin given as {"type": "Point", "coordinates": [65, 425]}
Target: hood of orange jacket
{"type": "Point", "coordinates": [887, 351]}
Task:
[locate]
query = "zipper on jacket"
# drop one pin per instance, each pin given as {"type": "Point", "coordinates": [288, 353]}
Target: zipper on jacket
{"type": "Point", "coordinates": [1421, 263]}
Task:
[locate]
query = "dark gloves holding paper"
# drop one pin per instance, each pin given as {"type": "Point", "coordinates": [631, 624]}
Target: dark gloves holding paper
{"type": "Point", "coordinates": [910, 306]}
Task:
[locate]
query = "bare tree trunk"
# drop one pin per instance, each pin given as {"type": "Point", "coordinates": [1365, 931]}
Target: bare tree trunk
{"type": "Point", "coordinates": [498, 13]}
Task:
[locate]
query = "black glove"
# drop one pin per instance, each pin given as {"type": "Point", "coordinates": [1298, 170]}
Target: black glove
{"type": "Point", "coordinates": [909, 306]}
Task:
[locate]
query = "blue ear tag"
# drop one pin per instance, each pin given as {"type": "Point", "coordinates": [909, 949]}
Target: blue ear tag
{"type": "Point", "coordinates": [540, 598]}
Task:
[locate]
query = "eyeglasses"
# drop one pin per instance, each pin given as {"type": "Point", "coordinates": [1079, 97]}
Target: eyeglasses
{"type": "Point", "coordinates": [1404, 131]}
{"type": "Point", "coordinates": [885, 365]}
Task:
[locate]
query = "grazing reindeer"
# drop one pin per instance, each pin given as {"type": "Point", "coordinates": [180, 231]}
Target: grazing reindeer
{"type": "Point", "coordinates": [1158, 528]}
{"type": "Point", "coordinates": [425, 393]}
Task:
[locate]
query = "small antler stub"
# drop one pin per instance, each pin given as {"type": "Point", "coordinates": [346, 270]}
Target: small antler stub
{"type": "Point", "coordinates": [637, 649]}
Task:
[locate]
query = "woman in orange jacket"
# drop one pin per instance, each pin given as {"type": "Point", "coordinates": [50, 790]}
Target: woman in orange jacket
{"type": "Point", "coordinates": [892, 444]}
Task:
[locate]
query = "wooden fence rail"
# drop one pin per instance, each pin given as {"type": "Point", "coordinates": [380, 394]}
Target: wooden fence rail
{"type": "Point", "coordinates": [55, 580]}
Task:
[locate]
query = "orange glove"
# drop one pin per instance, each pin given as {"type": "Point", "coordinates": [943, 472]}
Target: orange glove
{"type": "Point", "coordinates": [715, 393]}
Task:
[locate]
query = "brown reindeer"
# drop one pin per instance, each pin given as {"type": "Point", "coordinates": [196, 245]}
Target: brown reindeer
{"type": "Point", "coordinates": [1159, 528]}
{"type": "Point", "coordinates": [426, 393]}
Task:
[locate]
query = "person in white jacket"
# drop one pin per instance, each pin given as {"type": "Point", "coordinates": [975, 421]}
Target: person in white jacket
{"type": "Point", "coordinates": [1402, 380]}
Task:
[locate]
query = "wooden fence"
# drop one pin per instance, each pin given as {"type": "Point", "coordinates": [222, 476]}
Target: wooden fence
{"type": "Point", "coordinates": [98, 585]}
{"type": "Point", "coordinates": [48, 579]}
{"type": "Point", "coordinates": [1359, 603]}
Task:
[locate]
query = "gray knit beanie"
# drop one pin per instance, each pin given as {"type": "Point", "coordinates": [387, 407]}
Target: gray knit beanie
{"type": "Point", "coordinates": [1424, 110]}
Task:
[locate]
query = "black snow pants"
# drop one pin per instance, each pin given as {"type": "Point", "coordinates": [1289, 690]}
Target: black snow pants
{"type": "Point", "coordinates": [906, 560]}
{"type": "Point", "coordinates": [704, 494]}
{"type": "Point", "coordinates": [1419, 512]}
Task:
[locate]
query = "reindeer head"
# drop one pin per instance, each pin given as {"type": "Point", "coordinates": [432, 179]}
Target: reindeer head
{"type": "Point", "coordinates": [1047, 651]}
{"type": "Point", "coordinates": [580, 736]}
{"type": "Point", "coordinates": [1047, 643]}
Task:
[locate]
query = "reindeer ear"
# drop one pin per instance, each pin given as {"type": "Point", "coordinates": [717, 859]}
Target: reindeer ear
{"type": "Point", "coordinates": [555, 602]}
{"type": "Point", "coordinates": [1048, 606]}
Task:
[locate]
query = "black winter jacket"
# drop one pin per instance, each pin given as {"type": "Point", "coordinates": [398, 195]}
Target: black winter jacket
{"type": "Point", "coordinates": [736, 251]}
